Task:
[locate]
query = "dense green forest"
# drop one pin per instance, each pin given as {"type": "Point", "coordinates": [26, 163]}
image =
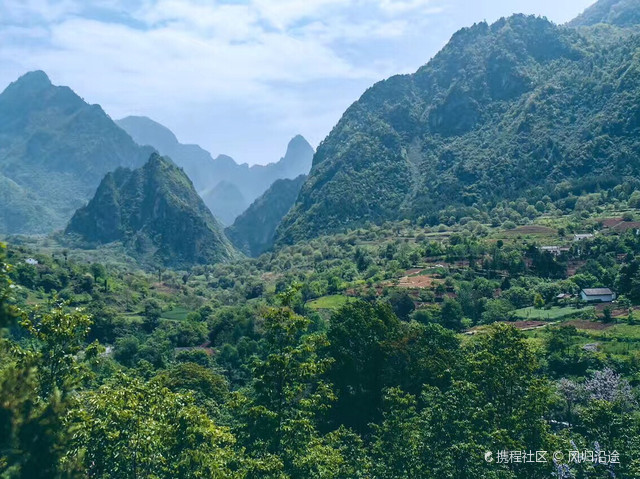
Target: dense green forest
{"type": "Point", "coordinates": [453, 291]}
{"type": "Point", "coordinates": [393, 351]}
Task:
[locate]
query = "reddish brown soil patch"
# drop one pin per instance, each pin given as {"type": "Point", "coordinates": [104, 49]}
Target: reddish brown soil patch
{"type": "Point", "coordinates": [413, 280]}
{"type": "Point", "coordinates": [422, 281]}
{"type": "Point", "coordinates": [615, 311]}
{"type": "Point", "coordinates": [627, 225]}
{"type": "Point", "coordinates": [618, 224]}
{"type": "Point", "coordinates": [527, 324]}
{"type": "Point", "coordinates": [609, 222]}
{"type": "Point", "coordinates": [412, 271]}
{"type": "Point", "coordinates": [592, 325]}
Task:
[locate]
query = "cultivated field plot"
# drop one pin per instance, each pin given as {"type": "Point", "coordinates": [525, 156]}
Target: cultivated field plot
{"type": "Point", "coordinates": [175, 314]}
{"type": "Point", "coordinates": [528, 230]}
{"type": "Point", "coordinates": [330, 302]}
{"type": "Point", "coordinates": [418, 281]}
{"type": "Point", "coordinates": [552, 314]}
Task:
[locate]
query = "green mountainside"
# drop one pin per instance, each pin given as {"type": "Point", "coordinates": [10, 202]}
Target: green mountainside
{"type": "Point", "coordinates": [622, 13]}
{"type": "Point", "coordinates": [54, 150]}
{"type": "Point", "coordinates": [225, 201]}
{"type": "Point", "coordinates": [519, 109]}
{"type": "Point", "coordinates": [156, 212]}
{"type": "Point", "coordinates": [142, 345]}
{"type": "Point", "coordinates": [254, 230]}
{"type": "Point", "coordinates": [206, 172]}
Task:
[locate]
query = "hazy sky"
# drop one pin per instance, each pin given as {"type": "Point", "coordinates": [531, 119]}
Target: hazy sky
{"type": "Point", "coordinates": [239, 77]}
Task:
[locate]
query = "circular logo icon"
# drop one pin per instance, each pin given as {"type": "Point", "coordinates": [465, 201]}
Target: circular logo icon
{"type": "Point", "coordinates": [488, 456]}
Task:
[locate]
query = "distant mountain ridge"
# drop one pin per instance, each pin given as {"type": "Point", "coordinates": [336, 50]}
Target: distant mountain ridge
{"type": "Point", "coordinates": [197, 162]}
{"type": "Point", "coordinates": [156, 213]}
{"type": "Point", "coordinates": [207, 172]}
{"type": "Point", "coordinates": [225, 201]}
{"type": "Point", "coordinates": [54, 150]}
{"type": "Point", "coordinates": [516, 110]}
{"type": "Point", "coordinates": [622, 13]}
{"type": "Point", "coordinates": [253, 232]}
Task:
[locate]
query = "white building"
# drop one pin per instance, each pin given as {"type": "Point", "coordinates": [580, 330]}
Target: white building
{"type": "Point", "coordinates": [580, 237]}
{"type": "Point", "coordinates": [597, 295]}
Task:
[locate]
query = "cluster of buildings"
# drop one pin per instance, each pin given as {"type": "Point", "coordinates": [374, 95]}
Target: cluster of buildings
{"type": "Point", "coordinates": [588, 295]}
{"type": "Point", "coordinates": [591, 295]}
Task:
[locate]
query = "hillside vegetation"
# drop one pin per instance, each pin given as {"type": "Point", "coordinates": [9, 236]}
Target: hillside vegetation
{"type": "Point", "coordinates": [54, 150]}
{"type": "Point", "coordinates": [447, 332]}
{"type": "Point", "coordinates": [518, 110]}
{"type": "Point", "coordinates": [156, 213]}
{"type": "Point", "coordinates": [254, 230]}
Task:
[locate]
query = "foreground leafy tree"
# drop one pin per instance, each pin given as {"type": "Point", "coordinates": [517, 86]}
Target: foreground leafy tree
{"type": "Point", "coordinates": [36, 386]}
{"type": "Point", "coordinates": [209, 389]}
{"type": "Point", "coordinates": [33, 439]}
{"type": "Point", "coordinates": [502, 367]}
{"type": "Point", "coordinates": [130, 428]}
{"type": "Point", "coordinates": [7, 311]}
{"type": "Point", "coordinates": [59, 336]}
{"type": "Point", "coordinates": [358, 335]}
{"type": "Point", "coordinates": [492, 402]}
{"type": "Point", "coordinates": [422, 354]}
{"type": "Point", "coordinates": [279, 413]}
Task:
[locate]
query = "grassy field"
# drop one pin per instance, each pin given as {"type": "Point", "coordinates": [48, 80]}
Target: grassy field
{"type": "Point", "coordinates": [554, 313]}
{"type": "Point", "coordinates": [329, 302]}
{"type": "Point", "coordinates": [176, 314]}
{"type": "Point", "coordinates": [619, 339]}
{"type": "Point", "coordinates": [133, 318]}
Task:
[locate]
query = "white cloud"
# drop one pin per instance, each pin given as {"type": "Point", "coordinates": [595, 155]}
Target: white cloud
{"type": "Point", "coordinates": [205, 67]}
{"type": "Point", "coordinates": [30, 11]}
{"type": "Point", "coordinates": [398, 7]}
{"type": "Point", "coordinates": [186, 52]}
{"type": "Point", "coordinates": [230, 22]}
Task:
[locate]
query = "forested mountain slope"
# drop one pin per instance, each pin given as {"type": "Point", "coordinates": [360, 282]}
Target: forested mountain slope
{"type": "Point", "coordinates": [156, 212]}
{"type": "Point", "coordinates": [54, 150]}
{"type": "Point", "coordinates": [522, 108]}
{"type": "Point", "coordinates": [253, 231]}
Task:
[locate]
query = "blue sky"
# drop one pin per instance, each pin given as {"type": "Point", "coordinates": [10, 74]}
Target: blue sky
{"type": "Point", "coordinates": [239, 77]}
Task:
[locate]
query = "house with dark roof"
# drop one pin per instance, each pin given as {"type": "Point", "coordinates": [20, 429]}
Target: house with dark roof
{"type": "Point", "coordinates": [597, 295]}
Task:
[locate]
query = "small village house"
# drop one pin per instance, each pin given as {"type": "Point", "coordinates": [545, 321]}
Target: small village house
{"type": "Point", "coordinates": [597, 295]}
